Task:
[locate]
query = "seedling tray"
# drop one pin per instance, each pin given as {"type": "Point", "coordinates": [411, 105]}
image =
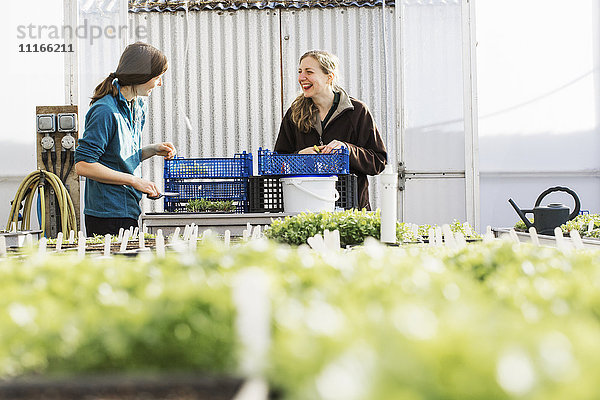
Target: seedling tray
{"type": "Point", "coordinates": [158, 387]}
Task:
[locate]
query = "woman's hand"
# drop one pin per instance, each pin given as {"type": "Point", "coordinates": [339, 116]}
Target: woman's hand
{"type": "Point", "coordinates": [165, 149]}
{"type": "Point", "coordinates": [145, 186]}
{"type": "Point", "coordinates": [312, 150]}
{"type": "Point", "coordinates": [333, 145]}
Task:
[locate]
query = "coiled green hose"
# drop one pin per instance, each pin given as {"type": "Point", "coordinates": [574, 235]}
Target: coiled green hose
{"type": "Point", "coordinates": [26, 193]}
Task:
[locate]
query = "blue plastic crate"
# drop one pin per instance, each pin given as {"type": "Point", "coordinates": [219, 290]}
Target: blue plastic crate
{"type": "Point", "coordinates": [234, 190]}
{"type": "Point", "coordinates": [240, 166]}
{"type": "Point", "coordinates": [271, 163]}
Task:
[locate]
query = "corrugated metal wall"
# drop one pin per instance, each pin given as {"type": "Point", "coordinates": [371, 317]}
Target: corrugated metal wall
{"type": "Point", "coordinates": [233, 74]}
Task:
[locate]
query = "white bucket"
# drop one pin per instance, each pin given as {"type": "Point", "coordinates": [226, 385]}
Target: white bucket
{"type": "Point", "coordinates": [309, 193]}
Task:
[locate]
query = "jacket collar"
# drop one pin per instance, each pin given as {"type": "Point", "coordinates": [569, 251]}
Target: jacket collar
{"type": "Point", "coordinates": [345, 104]}
{"type": "Point", "coordinates": [137, 107]}
{"type": "Point", "coordinates": [120, 98]}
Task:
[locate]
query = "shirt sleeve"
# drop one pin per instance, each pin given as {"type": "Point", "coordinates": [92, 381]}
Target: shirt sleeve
{"type": "Point", "coordinates": [370, 157]}
{"type": "Point", "coordinates": [100, 126]}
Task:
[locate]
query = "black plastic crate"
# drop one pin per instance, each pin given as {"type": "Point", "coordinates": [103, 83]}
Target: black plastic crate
{"type": "Point", "coordinates": [265, 193]}
{"type": "Point", "coordinates": [347, 187]}
{"type": "Point", "coordinates": [234, 190]}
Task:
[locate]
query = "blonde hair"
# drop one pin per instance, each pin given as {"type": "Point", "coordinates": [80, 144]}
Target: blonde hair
{"type": "Point", "coordinates": [304, 110]}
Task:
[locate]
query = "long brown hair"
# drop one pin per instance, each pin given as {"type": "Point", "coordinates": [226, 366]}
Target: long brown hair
{"type": "Point", "coordinates": [304, 110]}
{"type": "Point", "coordinates": [139, 63]}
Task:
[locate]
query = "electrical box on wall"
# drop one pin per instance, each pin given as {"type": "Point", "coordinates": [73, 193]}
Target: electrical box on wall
{"type": "Point", "coordinates": [67, 122]}
{"type": "Point", "coordinates": [56, 137]}
{"type": "Point", "coordinates": [45, 123]}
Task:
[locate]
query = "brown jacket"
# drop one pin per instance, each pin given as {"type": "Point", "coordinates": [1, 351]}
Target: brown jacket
{"type": "Point", "coordinates": [351, 123]}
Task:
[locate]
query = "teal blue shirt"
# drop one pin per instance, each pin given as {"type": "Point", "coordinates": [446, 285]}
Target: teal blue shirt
{"type": "Point", "coordinates": [113, 138]}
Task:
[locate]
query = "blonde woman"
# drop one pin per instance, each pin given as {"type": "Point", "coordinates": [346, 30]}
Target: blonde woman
{"type": "Point", "coordinates": [323, 118]}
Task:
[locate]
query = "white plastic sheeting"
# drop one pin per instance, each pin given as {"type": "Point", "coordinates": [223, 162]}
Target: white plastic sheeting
{"type": "Point", "coordinates": [99, 56]}
{"type": "Point", "coordinates": [539, 96]}
{"type": "Point", "coordinates": [433, 87]}
{"type": "Point", "coordinates": [437, 146]}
